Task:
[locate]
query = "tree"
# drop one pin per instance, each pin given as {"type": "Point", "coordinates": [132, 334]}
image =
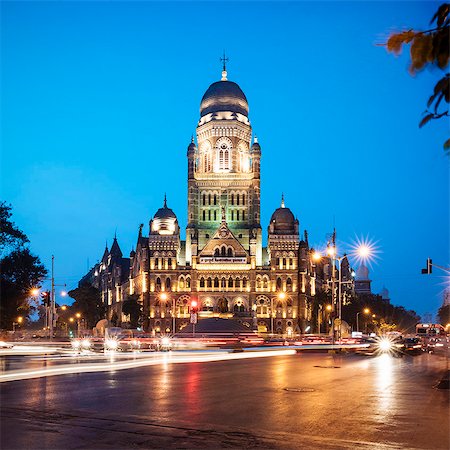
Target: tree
{"type": "Point", "coordinates": [132, 307]}
{"type": "Point", "coordinates": [429, 48]}
{"type": "Point", "coordinates": [88, 302]}
{"type": "Point", "coordinates": [10, 235]}
{"type": "Point", "coordinates": [444, 315]}
{"type": "Point", "coordinates": [21, 271]}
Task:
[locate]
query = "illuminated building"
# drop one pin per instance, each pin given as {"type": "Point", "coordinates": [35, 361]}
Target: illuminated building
{"type": "Point", "coordinates": [222, 263]}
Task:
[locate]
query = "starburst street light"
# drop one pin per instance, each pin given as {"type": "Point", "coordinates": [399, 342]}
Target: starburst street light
{"type": "Point", "coordinates": [364, 250]}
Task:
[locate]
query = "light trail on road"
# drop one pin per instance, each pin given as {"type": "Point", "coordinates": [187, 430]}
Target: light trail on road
{"type": "Point", "coordinates": [167, 358]}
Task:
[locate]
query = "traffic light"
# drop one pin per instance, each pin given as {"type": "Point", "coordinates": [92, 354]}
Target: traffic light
{"type": "Point", "coordinates": [45, 298]}
{"type": "Point", "coordinates": [429, 268]}
{"type": "Point", "coordinates": [194, 306]}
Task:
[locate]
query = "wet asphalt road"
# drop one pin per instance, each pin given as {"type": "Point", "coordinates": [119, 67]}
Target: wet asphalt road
{"type": "Point", "coordinates": [304, 401]}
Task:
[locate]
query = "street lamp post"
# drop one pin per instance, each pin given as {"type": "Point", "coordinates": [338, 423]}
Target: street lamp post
{"type": "Point", "coordinates": [78, 316]}
{"type": "Point", "coordinates": [365, 311]}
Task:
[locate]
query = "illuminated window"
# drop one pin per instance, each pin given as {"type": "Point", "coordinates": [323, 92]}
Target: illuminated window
{"type": "Point", "coordinates": [289, 284]}
{"type": "Point", "coordinates": [279, 283]}
{"type": "Point", "coordinates": [202, 282]}
{"type": "Point", "coordinates": [209, 282]}
{"type": "Point", "coordinates": [215, 199]}
{"type": "Point", "coordinates": [244, 282]}
{"type": "Point", "coordinates": [216, 282]}
{"type": "Point", "coordinates": [188, 282]}
{"type": "Point", "coordinates": [232, 199]}
{"type": "Point", "coordinates": [168, 284]}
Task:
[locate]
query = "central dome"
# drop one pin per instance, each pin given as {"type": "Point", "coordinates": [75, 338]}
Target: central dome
{"type": "Point", "coordinates": [224, 96]}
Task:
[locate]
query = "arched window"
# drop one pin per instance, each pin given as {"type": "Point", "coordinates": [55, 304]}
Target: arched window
{"type": "Point", "coordinates": [223, 282]}
{"type": "Point", "coordinates": [243, 199]}
{"type": "Point", "coordinates": [209, 214]}
{"type": "Point", "coordinates": [230, 252]}
{"type": "Point", "coordinates": [223, 251]}
{"type": "Point", "coordinates": [215, 199]}
{"type": "Point", "coordinates": [188, 282]}
{"type": "Point", "coordinates": [204, 215]}
{"type": "Point", "coordinates": [279, 284]}
{"type": "Point", "coordinates": [237, 199]}
{"type": "Point", "coordinates": [209, 199]}
{"type": "Point", "coordinates": [289, 284]}
{"type": "Point", "coordinates": [202, 282]}
{"type": "Point", "coordinates": [215, 215]}
{"type": "Point", "coordinates": [258, 283]}
{"type": "Point", "coordinates": [181, 283]}
{"type": "Point", "coordinates": [222, 305]}
{"type": "Point", "coordinates": [168, 284]}
{"type": "Point", "coordinates": [232, 199]}
{"type": "Point", "coordinates": [237, 215]}
{"type": "Point", "coordinates": [216, 282]}
{"type": "Point", "coordinates": [158, 284]}
{"type": "Point", "coordinates": [221, 159]}
{"type": "Point", "coordinates": [232, 214]}
{"type": "Point", "coordinates": [226, 164]}
{"type": "Point", "coordinates": [238, 283]}
{"type": "Point", "coordinates": [244, 282]}
{"type": "Point", "coordinates": [217, 252]}
{"type": "Point", "coordinates": [169, 262]}
{"type": "Point", "coordinates": [209, 282]}
{"type": "Point", "coordinates": [243, 215]}
{"type": "Point", "coordinates": [156, 262]}
{"type": "Point", "coordinates": [204, 199]}
{"type": "Point", "coordinates": [230, 282]}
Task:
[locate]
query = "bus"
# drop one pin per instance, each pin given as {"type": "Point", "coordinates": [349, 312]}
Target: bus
{"type": "Point", "coordinates": [430, 330]}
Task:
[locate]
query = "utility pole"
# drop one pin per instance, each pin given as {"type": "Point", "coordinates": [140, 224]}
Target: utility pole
{"type": "Point", "coordinates": [52, 299]}
{"type": "Point", "coordinates": [333, 276]}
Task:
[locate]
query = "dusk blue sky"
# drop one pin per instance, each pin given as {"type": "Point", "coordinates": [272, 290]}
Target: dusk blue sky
{"type": "Point", "coordinates": [99, 101]}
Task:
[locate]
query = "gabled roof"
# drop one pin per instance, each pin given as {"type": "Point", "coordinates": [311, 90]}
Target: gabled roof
{"type": "Point", "coordinates": [115, 249]}
{"type": "Point", "coordinates": [223, 236]}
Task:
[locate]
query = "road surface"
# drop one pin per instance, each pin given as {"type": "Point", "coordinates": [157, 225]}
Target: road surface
{"type": "Point", "coordinates": [300, 401]}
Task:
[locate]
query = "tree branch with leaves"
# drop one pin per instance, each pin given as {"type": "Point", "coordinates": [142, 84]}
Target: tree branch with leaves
{"type": "Point", "coordinates": [429, 48]}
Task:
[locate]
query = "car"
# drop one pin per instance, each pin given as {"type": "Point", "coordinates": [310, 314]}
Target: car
{"type": "Point", "coordinates": [4, 344]}
{"type": "Point", "coordinates": [413, 346]}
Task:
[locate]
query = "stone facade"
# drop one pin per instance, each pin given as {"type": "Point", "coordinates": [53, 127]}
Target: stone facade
{"type": "Point", "coordinates": [222, 264]}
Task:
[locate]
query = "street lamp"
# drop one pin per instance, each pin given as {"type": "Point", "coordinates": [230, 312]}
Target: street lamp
{"type": "Point", "coordinates": [78, 316]}
{"type": "Point", "coordinates": [163, 296]}
{"type": "Point", "coordinates": [19, 322]}
{"type": "Point", "coordinates": [365, 311]}
{"type": "Point", "coordinates": [281, 296]}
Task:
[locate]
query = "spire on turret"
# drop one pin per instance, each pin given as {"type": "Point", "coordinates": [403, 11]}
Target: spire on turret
{"type": "Point", "coordinates": [165, 200]}
{"type": "Point", "coordinates": [224, 60]}
{"type": "Point", "coordinates": [282, 200]}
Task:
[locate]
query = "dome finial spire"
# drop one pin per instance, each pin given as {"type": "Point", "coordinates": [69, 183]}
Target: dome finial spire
{"type": "Point", "coordinates": [165, 200]}
{"type": "Point", "coordinates": [224, 61]}
{"type": "Point", "coordinates": [282, 200]}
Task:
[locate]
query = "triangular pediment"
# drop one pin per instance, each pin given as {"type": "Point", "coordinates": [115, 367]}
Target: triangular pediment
{"type": "Point", "coordinates": [223, 247]}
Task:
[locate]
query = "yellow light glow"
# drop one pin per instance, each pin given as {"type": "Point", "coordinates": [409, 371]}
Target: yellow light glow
{"type": "Point", "coordinates": [329, 308]}
{"type": "Point", "coordinates": [34, 292]}
{"type": "Point", "coordinates": [63, 307]}
{"type": "Point", "coordinates": [316, 256]}
{"type": "Point", "coordinates": [71, 319]}
{"type": "Point", "coordinates": [366, 311]}
{"type": "Point", "coordinates": [20, 319]}
{"type": "Point", "coordinates": [331, 251]}
{"type": "Point", "coordinates": [281, 295]}
{"type": "Point", "coordinates": [78, 315]}
{"type": "Point", "coordinates": [163, 296]}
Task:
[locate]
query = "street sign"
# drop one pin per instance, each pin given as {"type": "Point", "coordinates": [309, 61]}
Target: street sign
{"type": "Point", "coordinates": [194, 318]}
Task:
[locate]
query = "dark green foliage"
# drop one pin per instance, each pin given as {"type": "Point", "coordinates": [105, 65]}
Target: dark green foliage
{"type": "Point", "coordinates": [88, 302]}
{"type": "Point", "coordinates": [21, 271]}
{"type": "Point", "coordinates": [133, 307]}
{"type": "Point", "coordinates": [430, 47]}
{"type": "Point", "coordinates": [444, 315]}
{"type": "Point", "coordinates": [10, 235]}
